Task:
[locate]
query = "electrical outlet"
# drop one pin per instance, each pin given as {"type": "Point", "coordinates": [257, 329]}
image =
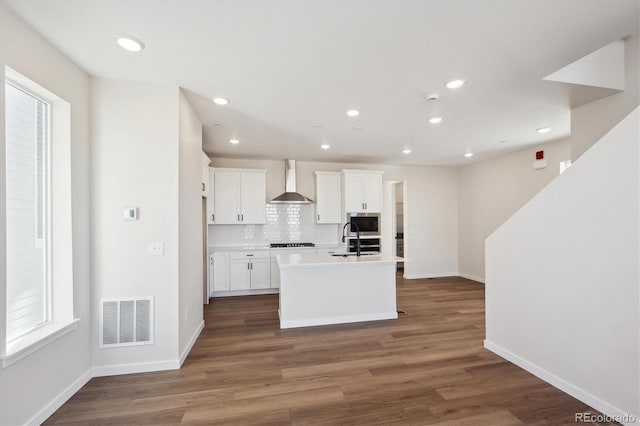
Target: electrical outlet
{"type": "Point", "coordinates": [156, 249]}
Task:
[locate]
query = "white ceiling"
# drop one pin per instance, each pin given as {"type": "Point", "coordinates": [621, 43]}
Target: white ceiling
{"type": "Point", "coordinates": [292, 68]}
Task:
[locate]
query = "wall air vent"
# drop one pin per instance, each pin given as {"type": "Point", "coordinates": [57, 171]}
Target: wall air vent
{"type": "Point", "coordinates": [126, 322]}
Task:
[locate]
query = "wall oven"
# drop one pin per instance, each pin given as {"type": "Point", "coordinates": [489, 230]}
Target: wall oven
{"type": "Point", "coordinates": [367, 223]}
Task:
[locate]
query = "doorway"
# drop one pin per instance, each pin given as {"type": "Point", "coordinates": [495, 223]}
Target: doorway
{"type": "Point", "coordinates": [205, 257]}
{"type": "Point", "coordinates": [399, 223]}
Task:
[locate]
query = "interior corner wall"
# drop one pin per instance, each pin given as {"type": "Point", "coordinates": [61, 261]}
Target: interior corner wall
{"type": "Point", "coordinates": [190, 228]}
{"type": "Point", "coordinates": [35, 386]}
{"type": "Point", "coordinates": [134, 163]}
{"type": "Point", "coordinates": [491, 191]}
{"type": "Point", "coordinates": [591, 121]}
{"type": "Point", "coordinates": [563, 293]}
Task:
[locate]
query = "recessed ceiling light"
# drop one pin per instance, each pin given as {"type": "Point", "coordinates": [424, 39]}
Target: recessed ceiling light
{"type": "Point", "coordinates": [130, 43]}
{"type": "Point", "coordinates": [325, 146]}
{"type": "Point", "coordinates": [220, 101]}
{"type": "Point", "coordinates": [543, 130]}
{"type": "Point", "coordinates": [357, 128]}
{"type": "Point", "coordinates": [234, 141]}
{"type": "Point", "coordinates": [353, 113]}
{"type": "Point", "coordinates": [454, 84]}
{"type": "Point", "coordinates": [468, 154]}
{"type": "Point", "coordinates": [435, 120]}
{"type": "Point", "coordinates": [406, 151]}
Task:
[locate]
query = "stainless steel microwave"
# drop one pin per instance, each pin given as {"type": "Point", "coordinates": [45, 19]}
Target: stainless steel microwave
{"type": "Point", "coordinates": [367, 223]}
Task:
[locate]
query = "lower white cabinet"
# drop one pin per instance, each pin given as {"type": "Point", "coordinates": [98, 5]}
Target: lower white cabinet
{"type": "Point", "coordinates": [220, 273]}
{"type": "Point", "coordinates": [249, 270]}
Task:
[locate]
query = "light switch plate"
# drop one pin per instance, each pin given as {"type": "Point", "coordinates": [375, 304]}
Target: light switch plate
{"type": "Point", "coordinates": [156, 249]}
{"type": "Point", "coordinates": [130, 213]}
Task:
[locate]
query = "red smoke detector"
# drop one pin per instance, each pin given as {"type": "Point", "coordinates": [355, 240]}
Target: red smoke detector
{"type": "Point", "coordinates": [539, 155]}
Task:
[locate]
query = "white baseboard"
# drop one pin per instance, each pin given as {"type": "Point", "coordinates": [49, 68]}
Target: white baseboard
{"type": "Point", "coordinates": [141, 367]}
{"type": "Point", "coordinates": [230, 293]}
{"type": "Point", "coordinates": [576, 392]}
{"type": "Point", "coordinates": [437, 275]}
{"type": "Point", "coordinates": [59, 400]}
{"type": "Point", "coordinates": [192, 342]}
{"type": "Point", "coordinates": [337, 320]}
{"type": "Point", "coordinates": [471, 277]}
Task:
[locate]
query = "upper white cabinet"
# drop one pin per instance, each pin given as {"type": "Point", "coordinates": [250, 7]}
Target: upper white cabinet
{"type": "Point", "coordinates": [239, 196]}
{"type": "Point", "coordinates": [328, 197]}
{"type": "Point", "coordinates": [205, 175]}
{"type": "Point", "coordinates": [362, 191]}
{"type": "Point", "coordinates": [211, 200]}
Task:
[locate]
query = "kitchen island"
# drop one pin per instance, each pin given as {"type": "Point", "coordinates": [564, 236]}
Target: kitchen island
{"type": "Point", "coordinates": [318, 289]}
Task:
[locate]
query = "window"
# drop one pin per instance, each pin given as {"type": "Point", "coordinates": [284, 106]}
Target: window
{"type": "Point", "coordinates": [26, 141]}
{"type": "Point", "coordinates": [39, 267]}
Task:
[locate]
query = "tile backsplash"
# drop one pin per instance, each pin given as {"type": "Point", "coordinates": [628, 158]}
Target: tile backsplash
{"type": "Point", "coordinates": [284, 223]}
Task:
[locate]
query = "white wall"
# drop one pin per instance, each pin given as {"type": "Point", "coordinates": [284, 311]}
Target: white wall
{"type": "Point", "coordinates": [35, 386]}
{"type": "Point", "coordinates": [134, 163]}
{"type": "Point", "coordinates": [431, 237]}
{"type": "Point", "coordinates": [190, 227]}
{"type": "Point", "coordinates": [562, 292]}
{"type": "Point", "coordinates": [591, 121]}
{"type": "Point", "coordinates": [491, 191]}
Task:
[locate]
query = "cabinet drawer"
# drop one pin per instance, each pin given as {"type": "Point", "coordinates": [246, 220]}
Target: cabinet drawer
{"type": "Point", "coordinates": [253, 254]}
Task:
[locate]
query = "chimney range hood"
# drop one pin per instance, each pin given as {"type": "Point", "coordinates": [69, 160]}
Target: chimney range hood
{"type": "Point", "coordinates": [290, 196]}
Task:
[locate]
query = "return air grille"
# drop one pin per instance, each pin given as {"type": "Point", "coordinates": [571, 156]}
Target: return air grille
{"type": "Point", "coordinates": [126, 322]}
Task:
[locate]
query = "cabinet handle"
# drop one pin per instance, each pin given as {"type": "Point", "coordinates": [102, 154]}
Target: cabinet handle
{"type": "Point", "coordinates": [238, 218]}
{"type": "Point", "coordinates": [318, 217]}
{"type": "Point", "coordinates": [203, 187]}
{"type": "Point", "coordinates": [242, 218]}
{"type": "Point", "coordinates": [249, 255]}
{"type": "Point", "coordinates": [213, 218]}
{"type": "Point", "coordinates": [248, 265]}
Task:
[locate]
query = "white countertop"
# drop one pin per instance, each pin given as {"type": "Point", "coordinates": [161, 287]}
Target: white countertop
{"type": "Point", "coordinates": [240, 247]}
{"type": "Point", "coordinates": [303, 260]}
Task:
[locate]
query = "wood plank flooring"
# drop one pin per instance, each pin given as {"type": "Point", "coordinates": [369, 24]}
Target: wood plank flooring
{"type": "Point", "coordinates": [426, 367]}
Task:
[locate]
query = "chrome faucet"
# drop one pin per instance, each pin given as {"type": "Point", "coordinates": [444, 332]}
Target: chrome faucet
{"type": "Point", "coordinates": [357, 236]}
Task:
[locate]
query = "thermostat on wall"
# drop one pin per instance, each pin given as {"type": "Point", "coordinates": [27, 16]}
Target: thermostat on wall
{"type": "Point", "coordinates": [130, 213]}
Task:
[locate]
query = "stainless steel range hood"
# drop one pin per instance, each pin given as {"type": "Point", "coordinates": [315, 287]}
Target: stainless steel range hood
{"type": "Point", "coordinates": [290, 196]}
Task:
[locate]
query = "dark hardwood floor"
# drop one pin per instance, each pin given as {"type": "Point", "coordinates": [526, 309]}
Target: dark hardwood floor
{"type": "Point", "coordinates": [426, 367]}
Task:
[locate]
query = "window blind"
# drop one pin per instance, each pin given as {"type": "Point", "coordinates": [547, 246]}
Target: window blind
{"type": "Point", "coordinates": [26, 208]}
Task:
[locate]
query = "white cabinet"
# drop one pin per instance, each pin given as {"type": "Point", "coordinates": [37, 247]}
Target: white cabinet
{"type": "Point", "coordinates": [328, 192]}
{"type": "Point", "coordinates": [362, 191]}
{"type": "Point", "coordinates": [220, 273]}
{"type": "Point", "coordinates": [210, 200]}
{"type": "Point", "coordinates": [204, 173]}
{"type": "Point", "coordinates": [239, 274]}
{"type": "Point", "coordinates": [253, 197]}
{"type": "Point", "coordinates": [260, 273]}
{"type": "Point", "coordinates": [249, 270]}
{"type": "Point", "coordinates": [239, 196]}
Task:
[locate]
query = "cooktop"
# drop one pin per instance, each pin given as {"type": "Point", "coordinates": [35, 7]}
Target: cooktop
{"type": "Point", "coordinates": [288, 245]}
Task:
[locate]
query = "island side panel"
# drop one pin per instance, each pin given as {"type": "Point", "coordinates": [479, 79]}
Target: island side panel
{"type": "Point", "coordinates": [330, 294]}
